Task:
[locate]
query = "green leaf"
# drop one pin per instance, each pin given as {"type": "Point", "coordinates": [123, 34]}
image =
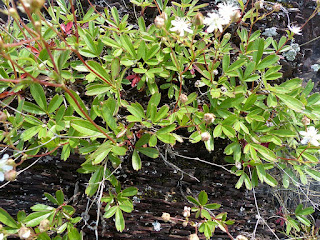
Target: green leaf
{"type": "Point", "coordinates": [30, 132]}
{"type": "Point", "coordinates": [128, 46]}
{"type": "Point", "coordinates": [74, 234]}
{"type": "Point", "coordinates": [120, 224]}
{"type": "Point", "coordinates": [304, 220]}
{"type": "Point", "coordinates": [110, 212]}
{"type": "Point", "coordinates": [291, 102]}
{"type": "Point", "coordinates": [115, 68]}
{"type": "Point", "coordinates": [193, 200]}
{"type": "Point", "coordinates": [136, 161]}
{"type": "Point", "coordinates": [283, 133]}
{"type": "Point", "coordinates": [107, 115]}
{"type": "Point", "coordinates": [74, 105]}
{"type": "Point", "coordinates": [55, 103]}
{"type": "Point", "coordinates": [166, 129]}
{"type": "Point", "coordinates": [150, 152]}
{"type": "Point", "coordinates": [34, 219]}
{"type": "Point", "coordinates": [313, 173]}
{"type": "Point", "coordinates": [51, 198]}
{"type": "Point", "coordinates": [130, 191]}
{"type": "Point", "coordinates": [270, 180]}
{"type": "Point", "coordinates": [212, 206]}
{"type": "Point", "coordinates": [166, 138]}
{"type": "Point", "coordinates": [94, 182]}
{"type": "Point", "coordinates": [41, 208]}
{"type": "Point", "coordinates": [99, 71]}
{"type": "Point", "coordinates": [265, 152]}
{"type": "Point", "coordinates": [6, 219]}
{"type": "Point", "coordinates": [38, 95]}
{"type": "Point", "coordinates": [267, 62]}
{"type": "Point", "coordinates": [33, 108]}
{"type": "Point", "coordinates": [136, 110]}
{"type": "Point", "coordinates": [60, 197]}
{"type": "Point", "coordinates": [203, 198]}
{"type": "Point", "coordinates": [86, 128]}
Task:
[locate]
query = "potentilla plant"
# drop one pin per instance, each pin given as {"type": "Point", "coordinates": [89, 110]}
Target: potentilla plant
{"type": "Point", "coordinates": [237, 94]}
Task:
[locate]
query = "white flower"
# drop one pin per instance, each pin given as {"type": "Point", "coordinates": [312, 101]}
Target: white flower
{"type": "Point", "coordinates": [156, 226]}
{"type": "Point", "coordinates": [4, 167]}
{"type": "Point", "coordinates": [180, 26]}
{"type": "Point", "coordinates": [295, 29]}
{"type": "Point", "coordinates": [227, 11]}
{"type": "Point", "coordinates": [215, 21]}
{"type": "Point", "coordinates": [1, 236]}
{"type": "Point", "coordinates": [310, 136]}
{"type": "Point", "coordinates": [186, 211]}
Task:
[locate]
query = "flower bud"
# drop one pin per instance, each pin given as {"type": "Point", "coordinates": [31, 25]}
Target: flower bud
{"type": "Point", "coordinates": [37, 26]}
{"type": "Point", "coordinates": [11, 162]}
{"type": "Point", "coordinates": [193, 237]}
{"type": "Point", "coordinates": [215, 72]}
{"type": "Point", "coordinates": [227, 36]}
{"type": "Point", "coordinates": [208, 118]}
{"type": "Point", "coordinates": [159, 22]}
{"type": "Point", "coordinates": [223, 89]}
{"type": "Point", "coordinates": [185, 224]}
{"type": "Point", "coordinates": [183, 98]}
{"type": "Point", "coordinates": [305, 120]}
{"type": "Point", "coordinates": [44, 225]}
{"type": "Point", "coordinates": [24, 233]}
{"type": "Point", "coordinates": [241, 237]}
{"type": "Point", "coordinates": [13, 13]}
{"type": "Point", "coordinates": [198, 19]}
{"type": "Point", "coordinates": [277, 7]}
{"type": "Point", "coordinates": [37, 4]}
{"type": "Point", "coordinates": [205, 136]}
{"type": "Point", "coordinates": [165, 217]}
{"type": "Point", "coordinates": [1, 226]}
{"type": "Point", "coordinates": [3, 117]}
{"type": "Point", "coordinates": [236, 16]}
{"type": "Point", "coordinates": [238, 165]}
{"type": "Point", "coordinates": [10, 175]}
{"type": "Point", "coordinates": [259, 4]}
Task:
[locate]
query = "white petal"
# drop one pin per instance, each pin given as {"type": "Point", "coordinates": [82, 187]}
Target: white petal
{"type": "Point", "coordinates": [6, 168]}
{"type": "Point", "coordinates": [303, 133]}
{"type": "Point", "coordinates": [314, 142]}
{"type": "Point", "coordinates": [1, 177]}
{"type": "Point", "coordinates": [305, 140]}
{"type": "Point", "coordinates": [5, 157]}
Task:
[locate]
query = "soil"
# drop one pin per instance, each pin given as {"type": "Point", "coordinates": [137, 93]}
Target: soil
{"type": "Point", "coordinates": [164, 183]}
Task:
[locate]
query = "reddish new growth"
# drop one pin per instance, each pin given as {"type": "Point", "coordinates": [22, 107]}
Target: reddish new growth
{"type": "Point", "coordinates": [134, 78]}
{"type": "Point", "coordinates": [67, 29]}
{"type": "Point", "coordinates": [280, 220]}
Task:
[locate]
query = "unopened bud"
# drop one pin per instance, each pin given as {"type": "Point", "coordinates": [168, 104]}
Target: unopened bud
{"type": "Point", "coordinates": [193, 237]}
{"type": "Point", "coordinates": [227, 36]}
{"type": "Point", "coordinates": [37, 26]}
{"type": "Point", "coordinates": [13, 13]}
{"type": "Point", "coordinates": [24, 233]}
{"type": "Point", "coordinates": [277, 7]}
{"type": "Point", "coordinates": [236, 16]}
{"type": "Point", "coordinates": [205, 136]}
{"type": "Point", "coordinates": [259, 4]}
{"type": "Point", "coordinates": [241, 237]}
{"type": "Point", "coordinates": [10, 175]}
{"type": "Point", "coordinates": [238, 165]}
{"type": "Point", "coordinates": [10, 162]}
{"type": "Point", "coordinates": [1, 226]}
{"type": "Point", "coordinates": [37, 4]}
{"type": "Point", "coordinates": [198, 19]}
{"type": "Point", "coordinates": [185, 224]}
{"type": "Point", "coordinates": [159, 22]}
{"type": "Point", "coordinates": [186, 212]}
{"type": "Point", "coordinates": [44, 225]}
{"type": "Point", "coordinates": [215, 72]}
{"type": "Point", "coordinates": [208, 118]}
{"type": "Point", "coordinates": [3, 116]}
{"type": "Point", "coordinates": [183, 98]}
{"type": "Point", "coordinates": [305, 120]}
{"type": "Point", "coordinates": [166, 217]}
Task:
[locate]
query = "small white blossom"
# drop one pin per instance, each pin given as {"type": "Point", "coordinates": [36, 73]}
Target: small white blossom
{"type": "Point", "coordinates": [156, 226]}
{"type": "Point", "coordinates": [227, 11]}
{"type": "Point", "coordinates": [295, 29]}
{"type": "Point", "coordinates": [238, 165]}
{"type": "Point", "coordinates": [4, 167]}
{"type": "Point", "coordinates": [310, 136]}
{"type": "Point", "coordinates": [180, 26]}
{"type": "Point", "coordinates": [186, 211]}
{"type": "Point", "coordinates": [1, 236]}
{"type": "Point", "coordinates": [315, 67]}
{"type": "Point", "coordinates": [214, 22]}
